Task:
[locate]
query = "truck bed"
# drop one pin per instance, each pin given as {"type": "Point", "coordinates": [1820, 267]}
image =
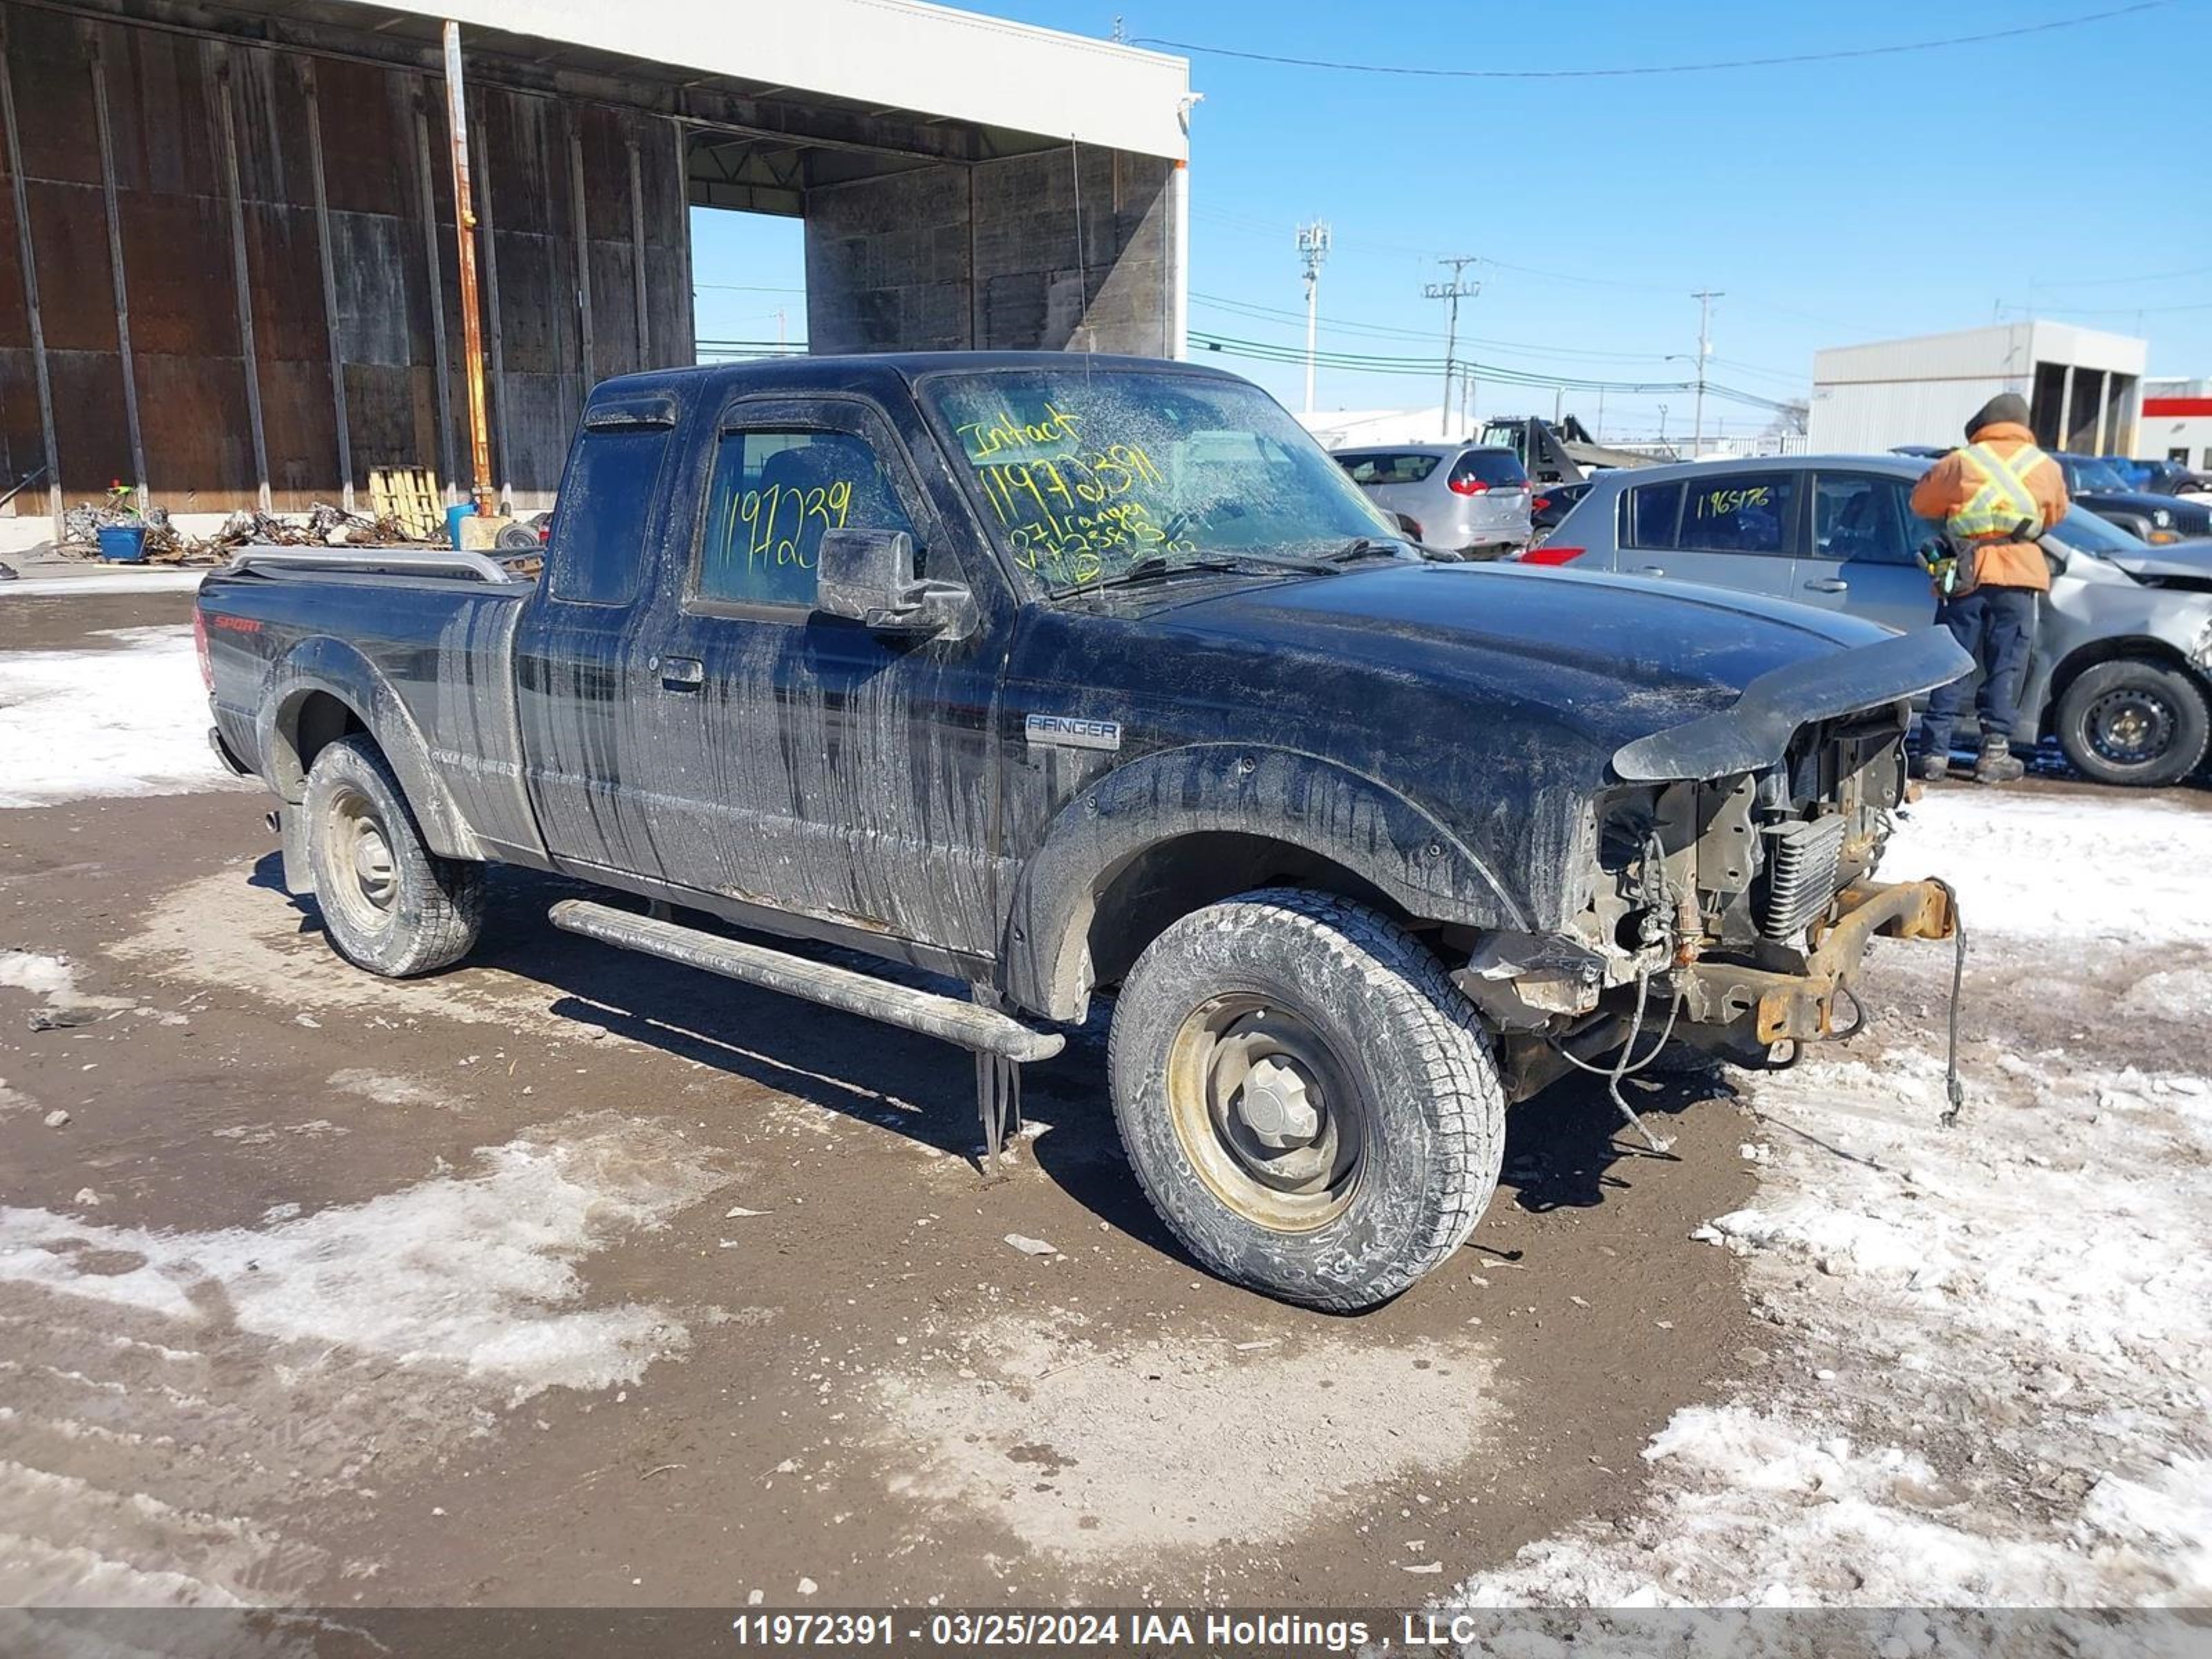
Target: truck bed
{"type": "Point", "coordinates": [428, 634]}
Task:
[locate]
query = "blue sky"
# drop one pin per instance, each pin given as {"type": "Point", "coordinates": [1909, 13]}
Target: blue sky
{"type": "Point", "coordinates": [1829, 201]}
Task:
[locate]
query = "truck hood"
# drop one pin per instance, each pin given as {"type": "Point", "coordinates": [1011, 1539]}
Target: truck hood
{"type": "Point", "coordinates": [1725, 677]}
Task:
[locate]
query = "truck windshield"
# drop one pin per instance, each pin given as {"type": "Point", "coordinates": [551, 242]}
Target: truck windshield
{"type": "Point", "coordinates": [1083, 473]}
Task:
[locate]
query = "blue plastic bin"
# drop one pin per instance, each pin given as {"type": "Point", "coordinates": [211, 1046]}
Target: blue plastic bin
{"type": "Point", "coordinates": [122, 544]}
{"type": "Point", "coordinates": [454, 517]}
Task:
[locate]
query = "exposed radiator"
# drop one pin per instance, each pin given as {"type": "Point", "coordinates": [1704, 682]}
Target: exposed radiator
{"type": "Point", "coordinates": [1800, 873]}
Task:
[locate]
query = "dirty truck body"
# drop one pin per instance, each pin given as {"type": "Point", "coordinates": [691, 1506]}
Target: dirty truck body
{"type": "Point", "coordinates": [1059, 675]}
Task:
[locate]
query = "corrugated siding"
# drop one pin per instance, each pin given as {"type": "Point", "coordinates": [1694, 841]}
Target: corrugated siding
{"type": "Point", "coordinates": [1869, 419]}
{"type": "Point", "coordinates": [175, 211]}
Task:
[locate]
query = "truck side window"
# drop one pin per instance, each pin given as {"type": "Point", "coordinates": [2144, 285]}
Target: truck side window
{"type": "Point", "coordinates": [1652, 511]}
{"type": "Point", "coordinates": [775, 491]}
{"type": "Point", "coordinates": [596, 552]}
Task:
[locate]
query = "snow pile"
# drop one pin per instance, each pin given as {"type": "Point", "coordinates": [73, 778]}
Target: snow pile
{"type": "Point", "coordinates": [472, 1273]}
{"type": "Point", "coordinates": [1990, 1384]}
{"type": "Point", "coordinates": [46, 977]}
{"type": "Point", "coordinates": [130, 720]}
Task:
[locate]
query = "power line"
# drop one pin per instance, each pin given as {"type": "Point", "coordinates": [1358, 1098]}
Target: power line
{"type": "Point", "coordinates": [1366, 363]}
{"type": "Point", "coordinates": [1259, 313]}
{"type": "Point", "coordinates": [1833, 55]}
{"type": "Point", "coordinates": [2122, 281]}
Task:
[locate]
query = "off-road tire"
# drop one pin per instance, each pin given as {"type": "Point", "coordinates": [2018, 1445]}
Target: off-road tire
{"type": "Point", "coordinates": [1431, 1111]}
{"type": "Point", "coordinates": [2179, 697]}
{"type": "Point", "coordinates": [435, 905]}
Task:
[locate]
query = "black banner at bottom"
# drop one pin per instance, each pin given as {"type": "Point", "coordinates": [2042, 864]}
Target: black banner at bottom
{"type": "Point", "coordinates": [1213, 1634]}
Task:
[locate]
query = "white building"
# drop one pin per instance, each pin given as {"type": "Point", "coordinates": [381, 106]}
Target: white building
{"type": "Point", "coordinates": [2177, 424]}
{"type": "Point", "coordinates": [2082, 386]}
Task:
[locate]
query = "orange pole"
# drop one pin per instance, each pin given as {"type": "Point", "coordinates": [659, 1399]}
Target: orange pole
{"type": "Point", "coordinates": [464, 227]}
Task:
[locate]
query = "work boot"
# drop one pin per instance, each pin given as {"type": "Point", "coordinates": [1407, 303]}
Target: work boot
{"type": "Point", "coordinates": [1997, 764]}
{"type": "Point", "coordinates": [1933, 766]}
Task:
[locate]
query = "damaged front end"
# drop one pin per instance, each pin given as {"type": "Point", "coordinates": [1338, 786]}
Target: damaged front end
{"type": "Point", "coordinates": [1726, 895]}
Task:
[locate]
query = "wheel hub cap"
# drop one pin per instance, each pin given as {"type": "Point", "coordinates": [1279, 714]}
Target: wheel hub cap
{"type": "Point", "coordinates": [1276, 1106]}
{"type": "Point", "coordinates": [371, 864]}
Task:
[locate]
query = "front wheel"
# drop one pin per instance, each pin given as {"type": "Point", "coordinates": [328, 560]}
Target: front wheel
{"type": "Point", "coordinates": [2134, 722]}
{"type": "Point", "coordinates": [1306, 1100]}
{"type": "Point", "coordinates": [389, 903]}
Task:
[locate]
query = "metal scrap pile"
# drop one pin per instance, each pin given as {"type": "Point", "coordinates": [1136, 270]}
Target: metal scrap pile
{"type": "Point", "coordinates": [324, 525]}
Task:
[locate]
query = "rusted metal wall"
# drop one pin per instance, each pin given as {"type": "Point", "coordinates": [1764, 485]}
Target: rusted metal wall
{"type": "Point", "coordinates": [211, 154]}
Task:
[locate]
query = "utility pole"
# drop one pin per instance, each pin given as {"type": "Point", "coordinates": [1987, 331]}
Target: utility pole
{"type": "Point", "coordinates": [1313, 251]}
{"type": "Point", "coordinates": [465, 232]}
{"type": "Point", "coordinates": [1704, 297]}
{"type": "Point", "coordinates": [1453, 292]}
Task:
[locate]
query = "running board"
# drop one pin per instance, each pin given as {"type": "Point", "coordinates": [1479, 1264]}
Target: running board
{"type": "Point", "coordinates": [1000, 1042]}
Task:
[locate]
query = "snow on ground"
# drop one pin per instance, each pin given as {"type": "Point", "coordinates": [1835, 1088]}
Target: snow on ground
{"type": "Point", "coordinates": [2126, 867]}
{"type": "Point", "coordinates": [470, 1272]}
{"type": "Point", "coordinates": [129, 719]}
{"type": "Point", "coordinates": [1986, 1380]}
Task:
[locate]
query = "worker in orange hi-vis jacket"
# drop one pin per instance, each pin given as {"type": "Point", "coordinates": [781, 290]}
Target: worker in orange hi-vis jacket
{"type": "Point", "coordinates": [1995, 498]}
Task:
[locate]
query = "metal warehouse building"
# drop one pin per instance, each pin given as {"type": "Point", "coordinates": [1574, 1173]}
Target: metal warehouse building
{"type": "Point", "coordinates": [2083, 387]}
{"type": "Point", "coordinates": [231, 276]}
{"type": "Point", "coordinates": [2177, 424]}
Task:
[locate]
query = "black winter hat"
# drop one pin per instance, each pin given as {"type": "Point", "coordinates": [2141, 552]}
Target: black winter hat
{"type": "Point", "coordinates": [2005, 406]}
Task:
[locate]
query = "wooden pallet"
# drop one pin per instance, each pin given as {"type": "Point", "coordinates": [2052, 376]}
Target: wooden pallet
{"type": "Point", "coordinates": [409, 497]}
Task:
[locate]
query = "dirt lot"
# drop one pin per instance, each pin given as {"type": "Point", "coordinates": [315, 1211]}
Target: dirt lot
{"type": "Point", "coordinates": [570, 1278]}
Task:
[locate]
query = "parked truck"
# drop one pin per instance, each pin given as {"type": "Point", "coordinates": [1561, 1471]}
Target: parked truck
{"type": "Point", "coordinates": [1063, 676]}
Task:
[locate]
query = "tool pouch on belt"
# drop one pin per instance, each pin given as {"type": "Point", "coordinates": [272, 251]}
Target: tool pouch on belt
{"type": "Point", "coordinates": [1959, 573]}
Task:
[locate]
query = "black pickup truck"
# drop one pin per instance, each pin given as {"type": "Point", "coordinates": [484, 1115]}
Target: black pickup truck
{"type": "Point", "coordinates": [1055, 674]}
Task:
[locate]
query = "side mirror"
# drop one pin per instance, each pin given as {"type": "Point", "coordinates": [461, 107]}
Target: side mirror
{"type": "Point", "coordinates": [867, 576]}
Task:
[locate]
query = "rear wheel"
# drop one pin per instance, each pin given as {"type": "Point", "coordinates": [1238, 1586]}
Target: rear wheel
{"type": "Point", "coordinates": [2134, 722]}
{"type": "Point", "coordinates": [1308, 1101]}
{"type": "Point", "coordinates": [389, 903]}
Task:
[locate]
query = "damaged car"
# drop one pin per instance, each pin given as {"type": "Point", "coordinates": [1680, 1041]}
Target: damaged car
{"type": "Point", "coordinates": [1075, 680]}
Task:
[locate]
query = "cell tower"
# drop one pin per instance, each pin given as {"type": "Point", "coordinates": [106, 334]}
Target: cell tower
{"type": "Point", "coordinates": [1313, 253]}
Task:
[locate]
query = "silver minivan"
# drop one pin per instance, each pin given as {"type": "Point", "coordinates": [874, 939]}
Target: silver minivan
{"type": "Point", "coordinates": [2121, 669]}
{"type": "Point", "coordinates": [1463, 498]}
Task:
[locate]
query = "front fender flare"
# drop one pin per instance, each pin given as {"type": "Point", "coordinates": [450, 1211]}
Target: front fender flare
{"type": "Point", "coordinates": [1300, 799]}
{"type": "Point", "coordinates": [339, 669]}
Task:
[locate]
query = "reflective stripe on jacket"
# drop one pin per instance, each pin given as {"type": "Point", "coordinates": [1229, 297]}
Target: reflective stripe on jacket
{"type": "Point", "coordinates": [2004, 503]}
{"type": "Point", "coordinates": [1952, 483]}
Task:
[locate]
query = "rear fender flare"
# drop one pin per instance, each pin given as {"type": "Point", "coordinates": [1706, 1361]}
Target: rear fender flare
{"type": "Point", "coordinates": [338, 669]}
{"type": "Point", "coordinates": [1300, 799]}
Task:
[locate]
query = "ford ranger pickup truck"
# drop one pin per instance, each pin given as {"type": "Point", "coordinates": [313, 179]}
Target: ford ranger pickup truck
{"type": "Point", "coordinates": [1060, 675]}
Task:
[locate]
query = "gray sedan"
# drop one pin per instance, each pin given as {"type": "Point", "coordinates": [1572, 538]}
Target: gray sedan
{"type": "Point", "coordinates": [2122, 670]}
{"type": "Point", "coordinates": [1468, 499]}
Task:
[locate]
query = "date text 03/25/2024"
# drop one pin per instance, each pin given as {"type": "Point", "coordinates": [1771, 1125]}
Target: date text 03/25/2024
{"type": "Point", "coordinates": [1271, 1633]}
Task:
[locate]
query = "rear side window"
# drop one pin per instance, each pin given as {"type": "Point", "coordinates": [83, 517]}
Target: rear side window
{"type": "Point", "coordinates": [1652, 512]}
{"type": "Point", "coordinates": [1738, 512]}
{"type": "Point", "coordinates": [598, 548]}
{"type": "Point", "coordinates": [1490, 466]}
{"type": "Point", "coordinates": [1389, 467]}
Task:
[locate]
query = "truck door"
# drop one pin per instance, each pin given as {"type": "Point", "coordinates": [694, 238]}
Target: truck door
{"type": "Point", "coordinates": [806, 764]}
{"type": "Point", "coordinates": [583, 685]}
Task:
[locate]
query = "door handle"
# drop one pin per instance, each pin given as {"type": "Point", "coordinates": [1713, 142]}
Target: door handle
{"type": "Point", "coordinates": [681, 673]}
{"type": "Point", "coordinates": [1652, 570]}
{"type": "Point", "coordinates": [1828, 585]}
